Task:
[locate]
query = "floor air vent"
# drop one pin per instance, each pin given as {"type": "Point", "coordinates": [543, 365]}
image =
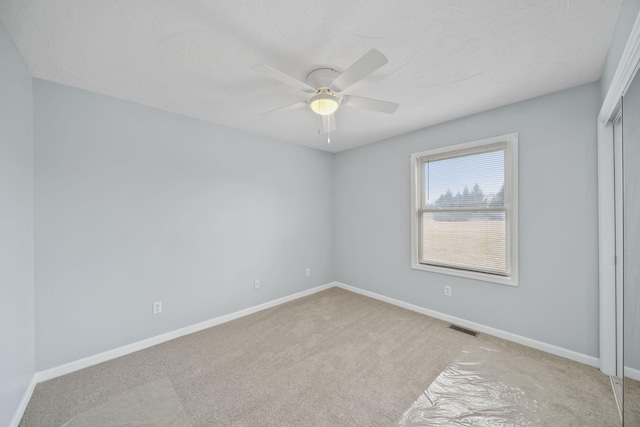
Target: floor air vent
{"type": "Point", "coordinates": [463, 330]}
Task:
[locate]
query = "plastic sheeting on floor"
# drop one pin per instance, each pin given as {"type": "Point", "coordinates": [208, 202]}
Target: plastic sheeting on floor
{"type": "Point", "coordinates": [476, 390]}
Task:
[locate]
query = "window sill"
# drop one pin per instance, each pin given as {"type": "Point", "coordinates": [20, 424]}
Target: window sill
{"type": "Point", "coordinates": [485, 277]}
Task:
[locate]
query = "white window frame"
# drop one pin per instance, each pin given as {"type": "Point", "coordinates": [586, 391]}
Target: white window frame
{"type": "Point", "coordinates": [510, 199]}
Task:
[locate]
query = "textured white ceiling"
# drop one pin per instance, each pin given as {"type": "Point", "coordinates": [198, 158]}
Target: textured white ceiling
{"type": "Point", "coordinates": [447, 58]}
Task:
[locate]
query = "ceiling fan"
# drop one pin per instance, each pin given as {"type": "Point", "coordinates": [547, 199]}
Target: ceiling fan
{"type": "Point", "coordinates": [327, 86]}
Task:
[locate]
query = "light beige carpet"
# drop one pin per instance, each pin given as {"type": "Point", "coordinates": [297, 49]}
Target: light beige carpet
{"type": "Point", "coordinates": [334, 358]}
{"type": "Point", "coordinates": [151, 404]}
{"type": "Point", "coordinates": [631, 402]}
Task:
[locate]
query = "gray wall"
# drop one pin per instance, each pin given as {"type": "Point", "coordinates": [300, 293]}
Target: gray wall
{"type": "Point", "coordinates": [135, 205]}
{"type": "Point", "coordinates": [16, 229]}
{"type": "Point", "coordinates": [557, 300]}
{"type": "Point", "coordinates": [627, 17]}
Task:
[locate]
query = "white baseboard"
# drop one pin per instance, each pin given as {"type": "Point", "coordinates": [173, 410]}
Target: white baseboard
{"type": "Point", "coordinates": [26, 397]}
{"type": "Point", "coordinates": [158, 339]}
{"type": "Point", "coordinates": [539, 345]}
{"type": "Point", "coordinates": [140, 345]}
{"type": "Point", "coordinates": [632, 373]}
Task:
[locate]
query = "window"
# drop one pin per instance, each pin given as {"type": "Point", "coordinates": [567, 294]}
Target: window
{"type": "Point", "coordinates": [464, 202]}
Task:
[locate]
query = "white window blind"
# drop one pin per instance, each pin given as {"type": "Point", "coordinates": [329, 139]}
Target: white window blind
{"type": "Point", "coordinates": [463, 217]}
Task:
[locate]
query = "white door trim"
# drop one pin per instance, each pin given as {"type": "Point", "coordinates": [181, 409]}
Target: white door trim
{"type": "Point", "coordinates": [625, 72]}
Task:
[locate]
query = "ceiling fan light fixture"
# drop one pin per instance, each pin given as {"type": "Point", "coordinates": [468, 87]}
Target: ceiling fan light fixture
{"type": "Point", "coordinates": [324, 104]}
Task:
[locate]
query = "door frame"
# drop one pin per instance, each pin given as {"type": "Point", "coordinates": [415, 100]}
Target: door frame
{"type": "Point", "coordinates": [625, 72]}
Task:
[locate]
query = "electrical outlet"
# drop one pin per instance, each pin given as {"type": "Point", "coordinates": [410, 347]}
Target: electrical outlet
{"type": "Point", "coordinates": [308, 272]}
{"type": "Point", "coordinates": [447, 291]}
{"type": "Point", "coordinates": [256, 283]}
{"type": "Point", "coordinates": [157, 307]}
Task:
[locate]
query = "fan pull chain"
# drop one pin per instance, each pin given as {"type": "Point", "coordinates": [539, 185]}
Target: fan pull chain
{"type": "Point", "coordinates": [329, 130]}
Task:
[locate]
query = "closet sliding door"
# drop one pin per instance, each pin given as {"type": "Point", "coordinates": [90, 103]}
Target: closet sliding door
{"type": "Point", "coordinates": [631, 252]}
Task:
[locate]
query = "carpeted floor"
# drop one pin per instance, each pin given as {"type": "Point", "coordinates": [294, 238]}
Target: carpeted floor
{"type": "Point", "coordinates": [334, 358]}
{"type": "Point", "coordinates": [631, 402]}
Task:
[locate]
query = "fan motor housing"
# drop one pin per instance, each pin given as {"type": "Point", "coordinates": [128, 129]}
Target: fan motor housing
{"type": "Point", "coordinates": [322, 78]}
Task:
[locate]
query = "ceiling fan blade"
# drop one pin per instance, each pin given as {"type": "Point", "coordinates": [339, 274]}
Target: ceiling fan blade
{"type": "Point", "coordinates": [329, 123]}
{"type": "Point", "coordinates": [286, 108]}
{"type": "Point", "coordinates": [370, 104]}
{"type": "Point", "coordinates": [283, 77]}
{"type": "Point", "coordinates": [360, 69]}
